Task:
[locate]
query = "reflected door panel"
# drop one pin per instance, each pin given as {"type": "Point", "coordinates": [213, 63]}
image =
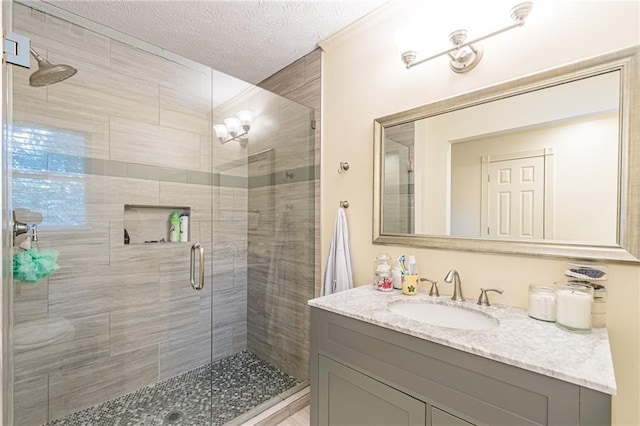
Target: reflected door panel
{"type": "Point", "coordinates": [516, 198]}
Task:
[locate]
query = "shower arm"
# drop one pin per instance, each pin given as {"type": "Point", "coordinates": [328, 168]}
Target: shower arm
{"type": "Point", "coordinates": [36, 55]}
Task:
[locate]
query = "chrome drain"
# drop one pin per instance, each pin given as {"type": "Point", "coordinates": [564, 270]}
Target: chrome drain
{"type": "Point", "coordinates": [173, 417]}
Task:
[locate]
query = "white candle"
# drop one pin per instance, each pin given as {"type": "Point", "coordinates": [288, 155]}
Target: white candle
{"type": "Point", "coordinates": [542, 304]}
{"type": "Point", "coordinates": [573, 308]}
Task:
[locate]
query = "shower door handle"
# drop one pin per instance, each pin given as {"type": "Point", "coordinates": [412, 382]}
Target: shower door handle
{"type": "Point", "coordinates": [200, 284]}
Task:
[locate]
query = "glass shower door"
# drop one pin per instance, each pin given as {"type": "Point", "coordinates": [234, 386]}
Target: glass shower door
{"type": "Point", "coordinates": [99, 162]}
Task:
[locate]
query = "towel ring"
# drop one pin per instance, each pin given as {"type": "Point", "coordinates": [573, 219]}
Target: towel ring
{"type": "Point", "coordinates": [344, 204]}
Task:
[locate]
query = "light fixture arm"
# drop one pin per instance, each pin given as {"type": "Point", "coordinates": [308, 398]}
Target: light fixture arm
{"type": "Point", "coordinates": [519, 14]}
{"type": "Point", "coordinates": [238, 137]}
{"type": "Point", "coordinates": [460, 46]}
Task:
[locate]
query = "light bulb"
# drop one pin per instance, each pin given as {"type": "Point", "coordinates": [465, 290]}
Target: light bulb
{"type": "Point", "coordinates": [233, 125]}
{"type": "Point", "coordinates": [245, 118]}
{"type": "Point", "coordinates": [221, 131]}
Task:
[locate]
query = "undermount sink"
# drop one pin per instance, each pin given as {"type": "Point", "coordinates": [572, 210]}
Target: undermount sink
{"type": "Point", "coordinates": [443, 315]}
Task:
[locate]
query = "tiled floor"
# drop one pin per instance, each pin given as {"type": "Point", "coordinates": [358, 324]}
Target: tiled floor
{"type": "Point", "coordinates": [236, 384]}
{"type": "Point", "coordinates": [301, 418]}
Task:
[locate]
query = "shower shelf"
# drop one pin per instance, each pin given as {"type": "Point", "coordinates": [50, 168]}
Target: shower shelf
{"type": "Point", "coordinates": [145, 223]}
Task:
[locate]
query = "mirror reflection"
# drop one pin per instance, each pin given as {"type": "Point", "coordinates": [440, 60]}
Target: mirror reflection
{"type": "Point", "coordinates": [542, 165]}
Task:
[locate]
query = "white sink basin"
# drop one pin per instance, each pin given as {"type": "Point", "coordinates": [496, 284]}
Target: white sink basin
{"type": "Point", "coordinates": [443, 315]}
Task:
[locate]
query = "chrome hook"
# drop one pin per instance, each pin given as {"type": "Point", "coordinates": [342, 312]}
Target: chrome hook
{"type": "Point", "coordinates": [344, 166]}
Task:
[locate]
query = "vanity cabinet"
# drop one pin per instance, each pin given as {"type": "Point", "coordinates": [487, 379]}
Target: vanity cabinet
{"type": "Point", "coordinates": [348, 397]}
{"type": "Point", "coordinates": [364, 374]}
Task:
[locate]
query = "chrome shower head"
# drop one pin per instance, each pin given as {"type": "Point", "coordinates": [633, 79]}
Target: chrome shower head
{"type": "Point", "coordinates": [48, 73]}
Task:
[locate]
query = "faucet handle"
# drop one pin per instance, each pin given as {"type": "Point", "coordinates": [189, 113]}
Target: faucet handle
{"type": "Point", "coordinates": [483, 299]}
{"type": "Point", "coordinates": [434, 287]}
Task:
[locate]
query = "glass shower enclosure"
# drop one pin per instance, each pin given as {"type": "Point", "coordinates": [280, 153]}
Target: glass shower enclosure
{"type": "Point", "coordinates": [105, 325]}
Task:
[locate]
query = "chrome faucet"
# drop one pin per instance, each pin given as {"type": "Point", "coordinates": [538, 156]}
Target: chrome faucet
{"type": "Point", "coordinates": [457, 288]}
{"type": "Point", "coordinates": [483, 299]}
{"type": "Point", "coordinates": [434, 287]}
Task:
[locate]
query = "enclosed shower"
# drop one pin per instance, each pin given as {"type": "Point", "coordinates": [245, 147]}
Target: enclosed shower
{"type": "Point", "coordinates": [101, 152]}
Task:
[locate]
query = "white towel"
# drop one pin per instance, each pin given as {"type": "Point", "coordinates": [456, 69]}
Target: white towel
{"type": "Point", "coordinates": [338, 274]}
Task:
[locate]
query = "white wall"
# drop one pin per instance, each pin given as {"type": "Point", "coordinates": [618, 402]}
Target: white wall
{"type": "Point", "coordinates": [585, 178]}
{"type": "Point", "coordinates": [363, 79]}
{"type": "Point", "coordinates": [554, 104]}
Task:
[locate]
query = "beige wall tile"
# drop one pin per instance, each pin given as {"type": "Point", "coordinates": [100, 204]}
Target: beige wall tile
{"type": "Point", "coordinates": [72, 390]}
{"type": "Point", "coordinates": [87, 244]}
{"type": "Point", "coordinates": [79, 292]}
{"type": "Point", "coordinates": [31, 398]}
{"type": "Point", "coordinates": [313, 66]}
{"type": "Point", "coordinates": [136, 142]}
{"type": "Point", "coordinates": [287, 79]}
{"type": "Point", "coordinates": [222, 342]}
{"type": "Point", "coordinates": [138, 64]}
{"type": "Point", "coordinates": [30, 301]}
{"type": "Point", "coordinates": [229, 307]}
{"type": "Point", "coordinates": [206, 149]}
{"type": "Point", "coordinates": [198, 197]}
{"type": "Point", "coordinates": [70, 130]}
{"type": "Point", "coordinates": [58, 35]}
{"type": "Point", "coordinates": [121, 191]}
{"type": "Point", "coordinates": [143, 326]}
{"type": "Point", "coordinates": [88, 344]}
{"type": "Point", "coordinates": [307, 95]}
{"type": "Point", "coordinates": [102, 90]}
{"type": "Point", "coordinates": [293, 216]}
{"type": "Point", "coordinates": [183, 111]}
{"type": "Point", "coordinates": [23, 94]}
{"type": "Point", "coordinates": [185, 353]}
{"type": "Point", "coordinates": [27, 310]}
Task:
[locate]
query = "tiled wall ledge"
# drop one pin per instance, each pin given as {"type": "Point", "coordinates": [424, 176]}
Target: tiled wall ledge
{"type": "Point", "coordinates": [59, 163]}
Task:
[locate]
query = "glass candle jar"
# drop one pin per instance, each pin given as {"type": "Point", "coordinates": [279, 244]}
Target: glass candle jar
{"type": "Point", "coordinates": [573, 307]}
{"type": "Point", "coordinates": [542, 302]}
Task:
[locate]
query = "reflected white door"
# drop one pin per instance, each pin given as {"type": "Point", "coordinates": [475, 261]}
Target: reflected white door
{"type": "Point", "coordinates": [516, 198]}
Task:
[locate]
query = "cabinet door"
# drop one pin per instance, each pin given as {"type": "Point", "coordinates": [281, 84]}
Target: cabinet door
{"type": "Point", "coordinates": [442, 418]}
{"type": "Point", "coordinates": [347, 397]}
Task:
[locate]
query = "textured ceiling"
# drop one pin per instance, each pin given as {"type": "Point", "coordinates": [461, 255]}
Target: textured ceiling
{"type": "Point", "coordinates": [249, 40]}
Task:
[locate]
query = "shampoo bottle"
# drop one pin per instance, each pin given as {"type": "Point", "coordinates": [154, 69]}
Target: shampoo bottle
{"type": "Point", "coordinates": [174, 227]}
{"type": "Point", "coordinates": [184, 227]}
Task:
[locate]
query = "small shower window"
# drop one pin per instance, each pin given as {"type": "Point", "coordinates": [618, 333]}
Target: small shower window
{"type": "Point", "coordinates": [45, 179]}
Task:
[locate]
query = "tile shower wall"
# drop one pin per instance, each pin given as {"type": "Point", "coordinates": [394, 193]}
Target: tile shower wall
{"type": "Point", "coordinates": [301, 82]}
{"type": "Point", "coordinates": [129, 128]}
{"type": "Point", "coordinates": [283, 221]}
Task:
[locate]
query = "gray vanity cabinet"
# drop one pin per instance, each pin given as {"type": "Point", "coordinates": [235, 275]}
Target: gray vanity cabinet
{"type": "Point", "coordinates": [442, 418]}
{"type": "Point", "coordinates": [352, 398]}
{"type": "Point", "coordinates": [363, 374]}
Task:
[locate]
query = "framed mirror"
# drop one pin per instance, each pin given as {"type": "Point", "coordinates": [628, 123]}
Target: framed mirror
{"type": "Point", "coordinates": [546, 165]}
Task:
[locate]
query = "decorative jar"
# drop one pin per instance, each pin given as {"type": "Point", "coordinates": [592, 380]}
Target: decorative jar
{"type": "Point", "coordinates": [542, 302]}
{"type": "Point", "coordinates": [573, 307]}
{"type": "Point", "coordinates": [382, 278]}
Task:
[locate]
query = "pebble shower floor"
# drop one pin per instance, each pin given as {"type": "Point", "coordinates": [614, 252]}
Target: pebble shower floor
{"type": "Point", "coordinates": [238, 383]}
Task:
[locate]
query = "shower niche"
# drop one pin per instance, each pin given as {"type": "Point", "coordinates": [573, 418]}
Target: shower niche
{"type": "Point", "coordinates": [145, 224]}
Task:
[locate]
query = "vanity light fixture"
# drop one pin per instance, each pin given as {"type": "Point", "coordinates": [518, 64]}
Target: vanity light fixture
{"type": "Point", "coordinates": [465, 55]}
{"type": "Point", "coordinates": [235, 128]}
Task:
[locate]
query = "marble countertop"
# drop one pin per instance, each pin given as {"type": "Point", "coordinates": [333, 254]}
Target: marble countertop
{"type": "Point", "coordinates": [538, 346]}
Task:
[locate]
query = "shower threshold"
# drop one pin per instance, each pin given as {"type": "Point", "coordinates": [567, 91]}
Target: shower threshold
{"type": "Point", "coordinates": [213, 394]}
